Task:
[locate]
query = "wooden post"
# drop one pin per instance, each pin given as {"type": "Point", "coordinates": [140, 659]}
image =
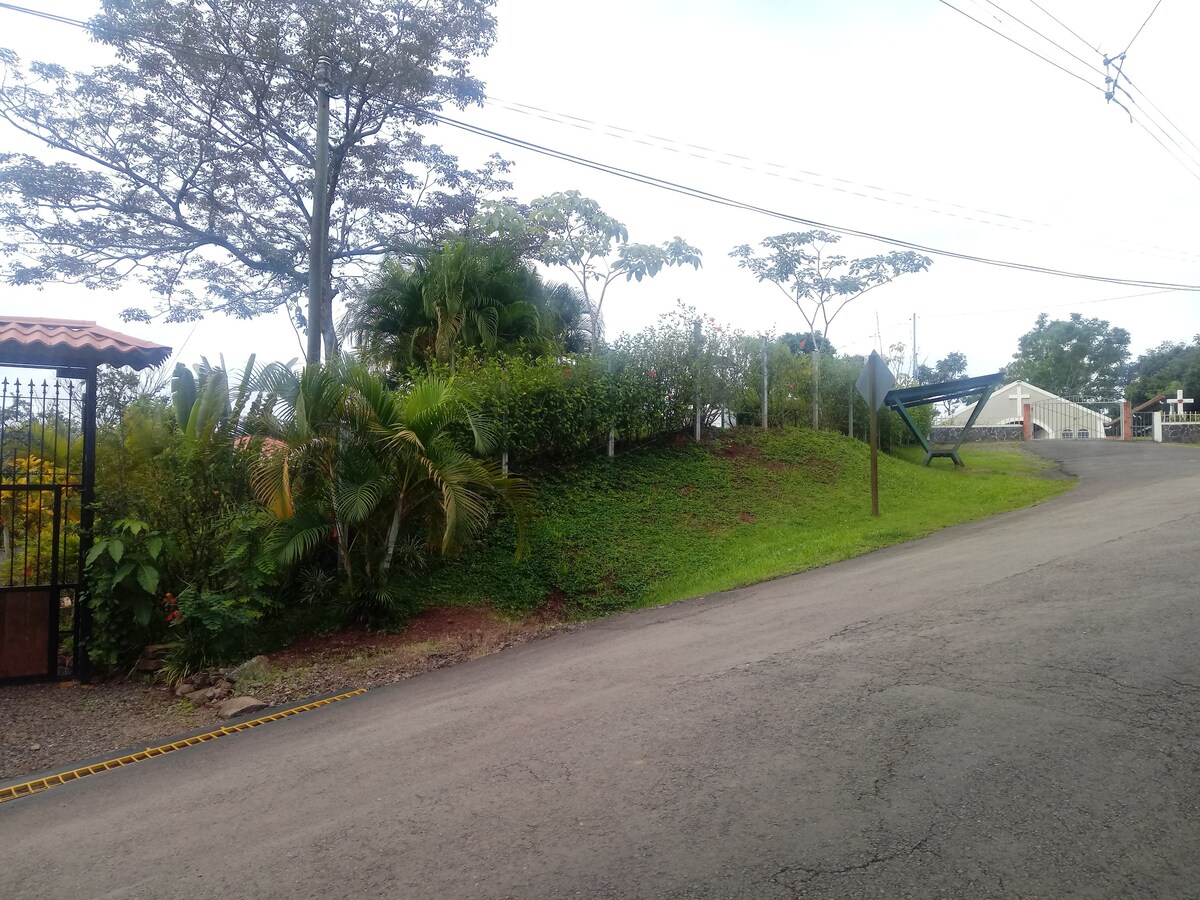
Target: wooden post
{"type": "Point", "coordinates": [764, 389]}
{"type": "Point", "coordinates": [1027, 416]}
{"type": "Point", "coordinates": [612, 430]}
{"type": "Point", "coordinates": [874, 427]}
{"type": "Point", "coordinates": [850, 429]}
{"type": "Point", "coordinates": [696, 339]}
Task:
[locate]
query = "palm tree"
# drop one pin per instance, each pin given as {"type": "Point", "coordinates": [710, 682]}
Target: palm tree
{"type": "Point", "coordinates": [348, 461]}
{"type": "Point", "coordinates": [465, 298]}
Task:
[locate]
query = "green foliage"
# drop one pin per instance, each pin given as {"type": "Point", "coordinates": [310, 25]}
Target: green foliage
{"type": "Point", "coordinates": [125, 570]}
{"type": "Point", "coordinates": [1167, 368]}
{"type": "Point", "coordinates": [217, 617]}
{"type": "Point", "coordinates": [820, 284]}
{"type": "Point", "coordinates": [571, 231]}
{"type": "Point", "coordinates": [1078, 358]}
{"type": "Point", "coordinates": [182, 165]}
{"type": "Point", "coordinates": [363, 477]}
{"type": "Point", "coordinates": [464, 299]}
{"type": "Point", "coordinates": [661, 524]}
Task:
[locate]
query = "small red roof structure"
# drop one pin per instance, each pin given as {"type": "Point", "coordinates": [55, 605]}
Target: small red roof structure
{"type": "Point", "coordinates": [73, 344]}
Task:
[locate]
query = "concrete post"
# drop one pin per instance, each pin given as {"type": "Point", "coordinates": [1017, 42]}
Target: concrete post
{"type": "Point", "coordinates": [1126, 422]}
{"type": "Point", "coordinates": [1156, 417]}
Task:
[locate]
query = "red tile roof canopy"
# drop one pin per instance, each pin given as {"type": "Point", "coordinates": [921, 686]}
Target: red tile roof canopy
{"type": "Point", "coordinates": [71, 344]}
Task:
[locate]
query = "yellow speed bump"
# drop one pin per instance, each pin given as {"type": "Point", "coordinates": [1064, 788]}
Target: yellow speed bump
{"type": "Point", "coordinates": [44, 784]}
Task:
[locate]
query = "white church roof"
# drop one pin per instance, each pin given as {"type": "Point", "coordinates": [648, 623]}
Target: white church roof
{"type": "Point", "coordinates": [1006, 405]}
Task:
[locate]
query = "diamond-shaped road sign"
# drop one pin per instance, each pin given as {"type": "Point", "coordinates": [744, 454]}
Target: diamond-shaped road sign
{"type": "Point", "coordinates": [875, 374]}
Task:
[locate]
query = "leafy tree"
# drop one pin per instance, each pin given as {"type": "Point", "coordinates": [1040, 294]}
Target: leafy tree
{"type": "Point", "coordinates": [820, 283]}
{"type": "Point", "coordinates": [1083, 359]}
{"type": "Point", "coordinates": [186, 163]}
{"type": "Point", "coordinates": [950, 367]}
{"type": "Point", "coordinates": [569, 230]}
{"type": "Point", "coordinates": [1167, 368]}
{"type": "Point", "coordinates": [803, 342]}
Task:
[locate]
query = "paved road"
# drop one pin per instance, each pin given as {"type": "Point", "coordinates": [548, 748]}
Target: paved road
{"type": "Point", "coordinates": [1009, 708]}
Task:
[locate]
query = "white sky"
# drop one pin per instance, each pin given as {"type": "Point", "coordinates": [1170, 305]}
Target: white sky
{"type": "Point", "coordinates": [906, 96]}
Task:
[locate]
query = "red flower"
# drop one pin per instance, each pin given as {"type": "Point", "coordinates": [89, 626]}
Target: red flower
{"type": "Point", "coordinates": [652, 373]}
{"type": "Point", "coordinates": [566, 371]}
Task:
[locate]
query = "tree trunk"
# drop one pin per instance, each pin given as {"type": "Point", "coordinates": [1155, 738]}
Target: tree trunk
{"type": "Point", "coordinates": [393, 533]}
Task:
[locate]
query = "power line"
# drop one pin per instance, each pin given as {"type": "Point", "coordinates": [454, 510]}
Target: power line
{"type": "Point", "coordinates": [695, 193]}
{"type": "Point", "coordinates": [1158, 140]}
{"type": "Point", "coordinates": [781, 170]}
{"type": "Point", "coordinates": [1043, 306]}
{"type": "Point", "coordinates": [1044, 38]}
{"type": "Point", "coordinates": [1013, 40]}
{"type": "Point", "coordinates": [1110, 95]}
{"type": "Point", "coordinates": [622, 133]}
{"type": "Point", "coordinates": [700, 194]}
{"type": "Point", "coordinates": [1139, 31]}
{"type": "Point", "coordinates": [1085, 42]}
{"type": "Point", "coordinates": [1151, 104]}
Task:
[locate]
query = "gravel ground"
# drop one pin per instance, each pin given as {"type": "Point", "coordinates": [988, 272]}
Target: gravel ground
{"type": "Point", "coordinates": [45, 726]}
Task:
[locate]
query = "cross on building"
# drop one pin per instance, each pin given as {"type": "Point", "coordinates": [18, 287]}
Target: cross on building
{"type": "Point", "coordinates": [1176, 403]}
{"type": "Point", "coordinates": [1020, 398]}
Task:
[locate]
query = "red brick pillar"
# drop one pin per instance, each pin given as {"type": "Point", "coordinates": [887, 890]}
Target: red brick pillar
{"type": "Point", "coordinates": [1126, 422]}
{"type": "Point", "coordinates": [1028, 423]}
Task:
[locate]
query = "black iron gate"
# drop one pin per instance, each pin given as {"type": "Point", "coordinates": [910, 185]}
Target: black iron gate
{"type": "Point", "coordinates": [43, 512]}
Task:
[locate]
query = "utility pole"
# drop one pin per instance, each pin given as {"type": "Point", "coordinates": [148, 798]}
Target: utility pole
{"type": "Point", "coordinates": [318, 234]}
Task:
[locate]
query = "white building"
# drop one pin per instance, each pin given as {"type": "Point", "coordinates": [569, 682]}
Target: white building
{"type": "Point", "coordinates": [1053, 416]}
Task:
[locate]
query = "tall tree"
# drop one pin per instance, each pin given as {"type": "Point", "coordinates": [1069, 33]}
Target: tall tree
{"type": "Point", "coordinates": [1167, 368]}
{"type": "Point", "coordinates": [820, 283]}
{"type": "Point", "coordinates": [187, 162]}
{"type": "Point", "coordinates": [1083, 359]}
{"type": "Point", "coordinates": [569, 230]}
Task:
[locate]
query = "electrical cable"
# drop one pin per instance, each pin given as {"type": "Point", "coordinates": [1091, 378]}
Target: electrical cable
{"type": "Point", "coordinates": [700, 194]}
{"type": "Point", "coordinates": [621, 133]}
{"type": "Point", "coordinates": [1082, 40]}
{"type": "Point", "coordinates": [1013, 40]}
{"type": "Point", "coordinates": [1044, 38]}
{"type": "Point", "coordinates": [1108, 94]}
{"type": "Point", "coordinates": [708, 196]}
{"type": "Point", "coordinates": [1152, 105]}
{"type": "Point", "coordinates": [1139, 31]}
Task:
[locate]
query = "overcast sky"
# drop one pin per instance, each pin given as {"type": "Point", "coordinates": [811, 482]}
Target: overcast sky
{"type": "Point", "coordinates": [900, 118]}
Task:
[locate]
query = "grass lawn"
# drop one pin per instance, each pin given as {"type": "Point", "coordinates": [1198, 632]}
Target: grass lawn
{"type": "Point", "coordinates": [662, 524]}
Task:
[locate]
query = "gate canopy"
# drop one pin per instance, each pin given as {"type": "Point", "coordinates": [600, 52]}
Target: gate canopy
{"type": "Point", "coordinates": [72, 344]}
{"type": "Point", "coordinates": [46, 501]}
{"type": "Point", "coordinates": [958, 389]}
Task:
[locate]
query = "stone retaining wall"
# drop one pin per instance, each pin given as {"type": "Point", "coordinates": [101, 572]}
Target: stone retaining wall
{"type": "Point", "coordinates": [948, 434]}
{"type": "Point", "coordinates": [1181, 432]}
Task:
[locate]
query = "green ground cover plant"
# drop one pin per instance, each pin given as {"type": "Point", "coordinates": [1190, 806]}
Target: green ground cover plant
{"type": "Point", "coordinates": [665, 523]}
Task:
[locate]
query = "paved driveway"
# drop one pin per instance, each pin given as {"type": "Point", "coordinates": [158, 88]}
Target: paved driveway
{"type": "Point", "coordinates": [1008, 708]}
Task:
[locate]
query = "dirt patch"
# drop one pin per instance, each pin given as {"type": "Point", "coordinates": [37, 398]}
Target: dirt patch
{"type": "Point", "coordinates": [48, 725]}
{"type": "Point", "coordinates": [686, 491]}
{"type": "Point", "coordinates": [747, 517]}
{"type": "Point", "coordinates": [740, 451]}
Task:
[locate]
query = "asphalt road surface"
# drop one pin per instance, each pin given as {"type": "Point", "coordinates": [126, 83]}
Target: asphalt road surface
{"type": "Point", "coordinates": [1006, 709]}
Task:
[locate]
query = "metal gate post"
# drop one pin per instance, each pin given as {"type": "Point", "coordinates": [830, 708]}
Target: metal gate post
{"type": "Point", "coordinates": [87, 518]}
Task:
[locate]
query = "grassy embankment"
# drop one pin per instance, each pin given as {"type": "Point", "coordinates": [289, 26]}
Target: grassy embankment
{"type": "Point", "coordinates": [662, 524]}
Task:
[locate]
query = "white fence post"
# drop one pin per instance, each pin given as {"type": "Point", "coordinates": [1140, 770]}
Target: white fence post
{"type": "Point", "coordinates": [1157, 420]}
